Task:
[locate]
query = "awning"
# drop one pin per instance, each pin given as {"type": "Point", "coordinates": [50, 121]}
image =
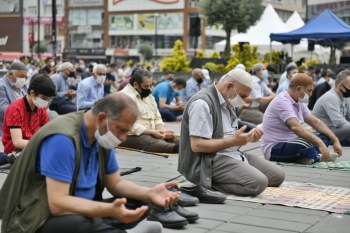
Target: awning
{"type": "Point", "coordinates": [10, 56]}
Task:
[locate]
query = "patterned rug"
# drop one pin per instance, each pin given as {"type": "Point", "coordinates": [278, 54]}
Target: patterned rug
{"type": "Point", "coordinates": [337, 165]}
{"type": "Point", "coordinates": [304, 195]}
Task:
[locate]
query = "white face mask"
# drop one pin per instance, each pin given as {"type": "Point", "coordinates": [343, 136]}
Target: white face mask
{"type": "Point", "coordinates": [175, 90]}
{"type": "Point", "coordinates": [20, 82]}
{"type": "Point", "coordinates": [52, 64]}
{"type": "Point", "coordinates": [264, 74]}
{"type": "Point", "coordinates": [82, 66]}
{"type": "Point", "coordinates": [304, 100]}
{"type": "Point", "coordinates": [331, 82]}
{"type": "Point", "coordinates": [40, 103]}
{"type": "Point", "coordinates": [100, 79]}
{"type": "Point", "coordinates": [236, 102]}
{"type": "Point", "coordinates": [108, 140]}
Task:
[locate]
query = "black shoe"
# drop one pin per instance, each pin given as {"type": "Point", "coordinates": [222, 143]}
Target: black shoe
{"type": "Point", "coordinates": [185, 199]}
{"type": "Point", "coordinates": [189, 215]}
{"type": "Point", "coordinates": [204, 195]}
{"type": "Point", "coordinates": [167, 217]}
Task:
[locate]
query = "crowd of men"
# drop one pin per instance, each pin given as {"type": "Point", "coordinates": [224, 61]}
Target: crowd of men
{"type": "Point", "coordinates": [60, 126]}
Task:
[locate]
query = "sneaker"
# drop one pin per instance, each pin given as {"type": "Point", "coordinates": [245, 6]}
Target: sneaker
{"type": "Point", "coordinates": [168, 217]}
{"type": "Point", "coordinates": [332, 157]}
{"type": "Point", "coordinates": [204, 195]}
{"type": "Point", "coordinates": [305, 161]}
{"type": "Point", "coordinates": [11, 158]}
{"type": "Point", "coordinates": [189, 215]}
{"type": "Point", "coordinates": [185, 199]}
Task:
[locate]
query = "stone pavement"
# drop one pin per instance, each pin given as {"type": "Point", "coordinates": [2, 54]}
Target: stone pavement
{"type": "Point", "coordinates": [238, 216]}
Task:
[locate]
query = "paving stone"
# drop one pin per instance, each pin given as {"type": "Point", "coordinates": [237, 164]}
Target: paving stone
{"type": "Point", "coordinates": [243, 204]}
{"type": "Point", "coordinates": [298, 179]}
{"type": "Point", "coordinates": [210, 214]}
{"type": "Point", "coordinates": [184, 229]}
{"type": "Point", "coordinates": [145, 178]}
{"type": "Point", "coordinates": [333, 223]}
{"type": "Point", "coordinates": [302, 174]}
{"type": "Point", "coordinates": [294, 210]}
{"type": "Point", "coordinates": [334, 178]}
{"type": "Point", "coordinates": [240, 228]}
{"type": "Point", "coordinates": [226, 208]}
{"type": "Point", "coordinates": [164, 175]}
{"type": "Point", "coordinates": [271, 223]}
{"type": "Point", "coordinates": [208, 224]}
{"type": "Point", "coordinates": [168, 170]}
{"type": "Point", "coordinates": [343, 184]}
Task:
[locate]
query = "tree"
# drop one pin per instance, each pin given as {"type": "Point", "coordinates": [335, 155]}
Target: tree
{"type": "Point", "coordinates": [215, 54]}
{"type": "Point", "coordinates": [43, 48]}
{"type": "Point", "coordinates": [146, 50]}
{"type": "Point", "coordinates": [177, 61]}
{"type": "Point", "coordinates": [248, 57]}
{"type": "Point", "coordinates": [232, 14]}
{"type": "Point", "coordinates": [200, 54]}
{"type": "Point", "coordinates": [334, 47]}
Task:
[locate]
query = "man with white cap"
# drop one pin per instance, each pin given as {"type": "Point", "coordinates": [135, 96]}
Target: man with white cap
{"type": "Point", "coordinates": [240, 66]}
{"type": "Point", "coordinates": [12, 87]}
{"type": "Point", "coordinates": [261, 94]}
{"type": "Point", "coordinates": [207, 80]}
{"type": "Point", "coordinates": [210, 140]}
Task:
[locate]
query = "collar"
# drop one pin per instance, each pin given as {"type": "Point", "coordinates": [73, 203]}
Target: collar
{"type": "Point", "coordinates": [134, 92]}
{"type": "Point", "coordinates": [35, 110]}
{"type": "Point", "coordinates": [83, 134]}
{"type": "Point", "coordinates": [93, 80]}
{"type": "Point", "coordinates": [256, 79]}
{"type": "Point", "coordinates": [221, 98]}
{"type": "Point", "coordinates": [286, 94]}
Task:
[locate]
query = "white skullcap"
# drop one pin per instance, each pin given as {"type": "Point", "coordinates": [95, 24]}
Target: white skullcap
{"type": "Point", "coordinates": [206, 73]}
{"type": "Point", "coordinates": [241, 76]}
{"type": "Point", "coordinates": [59, 68]}
{"type": "Point", "coordinates": [240, 66]}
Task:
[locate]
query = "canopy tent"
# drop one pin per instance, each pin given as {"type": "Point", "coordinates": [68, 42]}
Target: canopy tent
{"type": "Point", "coordinates": [294, 21]}
{"type": "Point", "coordinates": [326, 28]}
{"type": "Point", "coordinates": [259, 33]}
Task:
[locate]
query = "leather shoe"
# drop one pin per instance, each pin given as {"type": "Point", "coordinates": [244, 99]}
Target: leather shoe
{"type": "Point", "coordinates": [185, 199]}
{"type": "Point", "coordinates": [189, 215]}
{"type": "Point", "coordinates": [167, 217]}
{"type": "Point", "coordinates": [204, 195]}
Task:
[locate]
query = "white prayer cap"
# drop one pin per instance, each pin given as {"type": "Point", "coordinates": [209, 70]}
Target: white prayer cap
{"type": "Point", "coordinates": [240, 66]}
{"type": "Point", "coordinates": [241, 76]}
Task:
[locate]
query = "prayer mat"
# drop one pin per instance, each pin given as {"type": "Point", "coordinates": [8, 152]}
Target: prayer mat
{"type": "Point", "coordinates": [337, 165]}
{"type": "Point", "coordinates": [127, 171]}
{"type": "Point", "coordinates": [124, 149]}
{"type": "Point", "coordinates": [303, 195]}
{"type": "Point", "coordinates": [5, 168]}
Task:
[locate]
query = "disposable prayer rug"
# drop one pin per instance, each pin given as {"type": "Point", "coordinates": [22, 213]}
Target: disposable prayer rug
{"type": "Point", "coordinates": [5, 168]}
{"type": "Point", "coordinates": [124, 149]}
{"type": "Point", "coordinates": [303, 195]}
{"type": "Point", "coordinates": [337, 165]}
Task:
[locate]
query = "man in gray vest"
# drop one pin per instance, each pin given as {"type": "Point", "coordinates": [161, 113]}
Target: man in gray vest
{"type": "Point", "coordinates": [210, 140]}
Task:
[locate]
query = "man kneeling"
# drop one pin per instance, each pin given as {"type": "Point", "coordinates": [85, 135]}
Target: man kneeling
{"type": "Point", "coordinates": [285, 138]}
{"type": "Point", "coordinates": [209, 149]}
{"type": "Point", "coordinates": [56, 184]}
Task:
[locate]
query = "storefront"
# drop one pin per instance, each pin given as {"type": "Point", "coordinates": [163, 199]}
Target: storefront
{"type": "Point", "coordinates": [87, 54]}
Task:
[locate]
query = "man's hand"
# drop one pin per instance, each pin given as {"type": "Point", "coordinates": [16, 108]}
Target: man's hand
{"type": "Point", "coordinates": [272, 84]}
{"type": "Point", "coordinates": [71, 93]}
{"type": "Point", "coordinates": [160, 134]}
{"type": "Point", "coordinates": [338, 148]}
{"type": "Point", "coordinates": [108, 82]}
{"type": "Point", "coordinates": [181, 107]}
{"type": "Point", "coordinates": [240, 138]}
{"type": "Point", "coordinates": [248, 102]}
{"type": "Point", "coordinates": [169, 134]}
{"type": "Point", "coordinates": [125, 215]}
{"type": "Point", "coordinates": [324, 151]}
{"type": "Point", "coordinates": [255, 135]}
{"type": "Point", "coordinates": [161, 196]}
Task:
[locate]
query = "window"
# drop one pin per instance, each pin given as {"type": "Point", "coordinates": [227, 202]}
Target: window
{"type": "Point", "coordinates": [193, 3]}
{"type": "Point", "coordinates": [48, 10]}
{"type": "Point", "coordinates": [9, 6]}
{"type": "Point", "coordinates": [32, 10]}
{"type": "Point", "coordinates": [91, 40]}
{"type": "Point", "coordinates": [83, 17]}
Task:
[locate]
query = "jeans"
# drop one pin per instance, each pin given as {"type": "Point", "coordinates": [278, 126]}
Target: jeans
{"type": "Point", "coordinates": [3, 158]}
{"type": "Point", "coordinates": [296, 148]}
{"type": "Point", "coordinates": [170, 115]}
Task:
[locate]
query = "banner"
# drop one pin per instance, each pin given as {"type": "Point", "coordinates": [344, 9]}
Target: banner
{"type": "Point", "coordinates": [43, 20]}
{"type": "Point", "coordinates": [166, 21]}
{"type": "Point", "coordinates": [121, 22]}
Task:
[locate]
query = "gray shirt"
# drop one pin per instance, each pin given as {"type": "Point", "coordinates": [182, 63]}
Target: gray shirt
{"type": "Point", "coordinates": [259, 90]}
{"type": "Point", "coordinates": [201, 125]}
{"type": "Point", "coordinates": [333, 110]}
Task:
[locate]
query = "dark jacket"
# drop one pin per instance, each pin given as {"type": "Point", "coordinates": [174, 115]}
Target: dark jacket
{"type": "Point", "coordinates": [318, 91]}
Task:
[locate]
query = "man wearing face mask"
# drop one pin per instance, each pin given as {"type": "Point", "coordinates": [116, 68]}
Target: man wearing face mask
{"type": "Point", "coordinates": [193, 85]}
{"type": "Point", "coordinates": [261, 94]}
{"type": "Point", "coordinates": [291, 72]}
{"type": "Point", "coordinates": [12, 87]}
{"type": "Point", "coordinates": [50, 67]}
{"type": "Point", "coordinates": [25, 116]}
{"type": "Point", "coordinates": [164, 94]}
{"type": "Point", "coordinates": [333, 108]}
{"type": "Point", "coordinates": [210, 140]}
{"type": "Point", "coordinates": [91, 89]}
{"type": "Point", "coordinates": [322, 88]}
{"type": "Point", "coordinates": [285, 138]}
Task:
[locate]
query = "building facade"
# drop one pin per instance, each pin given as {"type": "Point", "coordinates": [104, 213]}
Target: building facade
{"type": "Point", "coordinates": [338, 7]}
{"type": "Point", "coordinates": [285, 8]}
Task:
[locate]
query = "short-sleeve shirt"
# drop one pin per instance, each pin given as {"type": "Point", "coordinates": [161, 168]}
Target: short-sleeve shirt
{"type": "Point", "coordinates": [281, 108]}
{"type": "Point", "coordinates": [164, 90]}
{"type": "Point", "coordinates": [107, 88]}
{"type": "Point", "coordinates": [56, 160]}
{"type": "Point", "coordinates": [259, 90]}
{"type": "Point", "coordinates": [19, 115]}
{"type": "Point", "coordinates": [201, 125]}
{"type": "Point", "coordinates": [192, 87]}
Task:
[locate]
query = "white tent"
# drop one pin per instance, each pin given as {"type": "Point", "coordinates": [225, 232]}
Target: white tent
{"type": "Point", "coordinates": [294, 22]}
{"type": "Point", "coordinates": [259, 34]}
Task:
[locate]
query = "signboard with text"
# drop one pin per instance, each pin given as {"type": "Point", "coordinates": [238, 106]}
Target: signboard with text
{"type": "Point", "coordinates": [135, 5]}
{"type": "Point", "coordinates": [10, 34]}
{"type": "Point", "coordinates": [43, 20]}
{"type": "Point", "coordinates": [166, 21]}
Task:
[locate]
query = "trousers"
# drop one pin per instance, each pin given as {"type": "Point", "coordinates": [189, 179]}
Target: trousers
{"type": "Point", "coordinates": [170, 115]}
{"type": "Point", "coordinates": [151, 144]}
{"type": "Point", "coordinates": [342, 134]}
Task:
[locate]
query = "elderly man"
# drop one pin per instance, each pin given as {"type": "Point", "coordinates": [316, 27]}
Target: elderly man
{"type": "Point", "coordinates": [193, 85]}
{"type": "Point", "coordinates": [12, 87]}
{"type": "Point", "coordinates": [285, 138]}
{"type": "Point", "coordinates": [261, 94]}
{"type": "Point", "coordinates": [62, 103]}
{"type": "Point", "coordinates": [333, 108]}
{"type": "Point", "coordinates": [149, 132]}
{"type": "Point", "coordinates": [322, 88]}
{"type": "Point", "coordinates": [69, 181]}
{"type": "Point", "coordinates": [210, 140]}
{"type": "Point", "coordinates": [91, 89]}
{"type": "Point", "coordinates": [164, 95]}
{"type": "Point", "coordinates": [291, 72]}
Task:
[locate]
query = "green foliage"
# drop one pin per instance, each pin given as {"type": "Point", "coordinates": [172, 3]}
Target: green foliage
{"type": "Point", "coordinates": [312, 62]}
{"type": "Point", "coordinates": [232, 14]}
{"type": "Point", "coordinates": [43, 48]}
{"type": "Point", "coordinates": [200, 54]}
{"type": "Point", "coordinates": [177, 61]}
{"type": "Point", "coordinates": [276, 60]}
{"type": "Point", "coordinates": [248, 57]}
{"type": "Point", "coordinates": [215, 68]}
{"type": "Point", "coordinates": [215, 54]}
{"type": "Point", "coordinates": [129, 62]}
{"type": "Point", "coordinates": [146, 50]}
{"type": "Point", "coordinates": [334, 47]}
{"type": "Point", "coordinates": [220, 68]}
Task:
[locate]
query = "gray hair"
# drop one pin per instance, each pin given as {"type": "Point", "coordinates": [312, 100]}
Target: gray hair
{"type": "Point", "coordinates": [341, 77]}
{"type": "Point", "coordinates": [94, 70]}
{"type": "Point", "coordinates": [114, 105]}
{"type": "Point", "coordinates": [65, 65]}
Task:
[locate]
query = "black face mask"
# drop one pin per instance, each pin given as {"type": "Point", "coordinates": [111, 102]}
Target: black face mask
{"type": "Point", "coordinates": [71, 74]}
{"type": "Point", "coordinates": [200, 80]}
{"type": "Point", "coordinates": [144, 92]}
{"type": "Point", "coordinates": [346, 94]}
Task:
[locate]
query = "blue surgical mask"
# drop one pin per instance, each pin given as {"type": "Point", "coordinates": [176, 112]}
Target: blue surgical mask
{"type": "Point", "coordinates": [264, 74]}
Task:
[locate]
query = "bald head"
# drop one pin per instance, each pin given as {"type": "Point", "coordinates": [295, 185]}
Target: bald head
{"type": "Point", "coordinates": [197, 74]}
{"type": "Point", "coordinates": [301, 80]}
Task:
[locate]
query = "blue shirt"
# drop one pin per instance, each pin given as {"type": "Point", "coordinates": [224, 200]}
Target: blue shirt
{"type": "Point", "coordinates": [164, 90]}
{"type": "Point", "coordinates": [89, 91]}
{"type": "Point", "coordinates": [56, 160]}
{"type": "Point", "coordinates": [192, 87]}
{"type": "Point", "coordinates": [107, 88]}
{"type": "Point", "coordinates": [283, 86]}
{"type": "Point", "coordinates": [61, 84]}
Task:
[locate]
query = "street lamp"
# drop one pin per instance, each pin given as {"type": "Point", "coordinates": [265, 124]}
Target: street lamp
{"type": "Point", "coordinates": [156, 15]}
